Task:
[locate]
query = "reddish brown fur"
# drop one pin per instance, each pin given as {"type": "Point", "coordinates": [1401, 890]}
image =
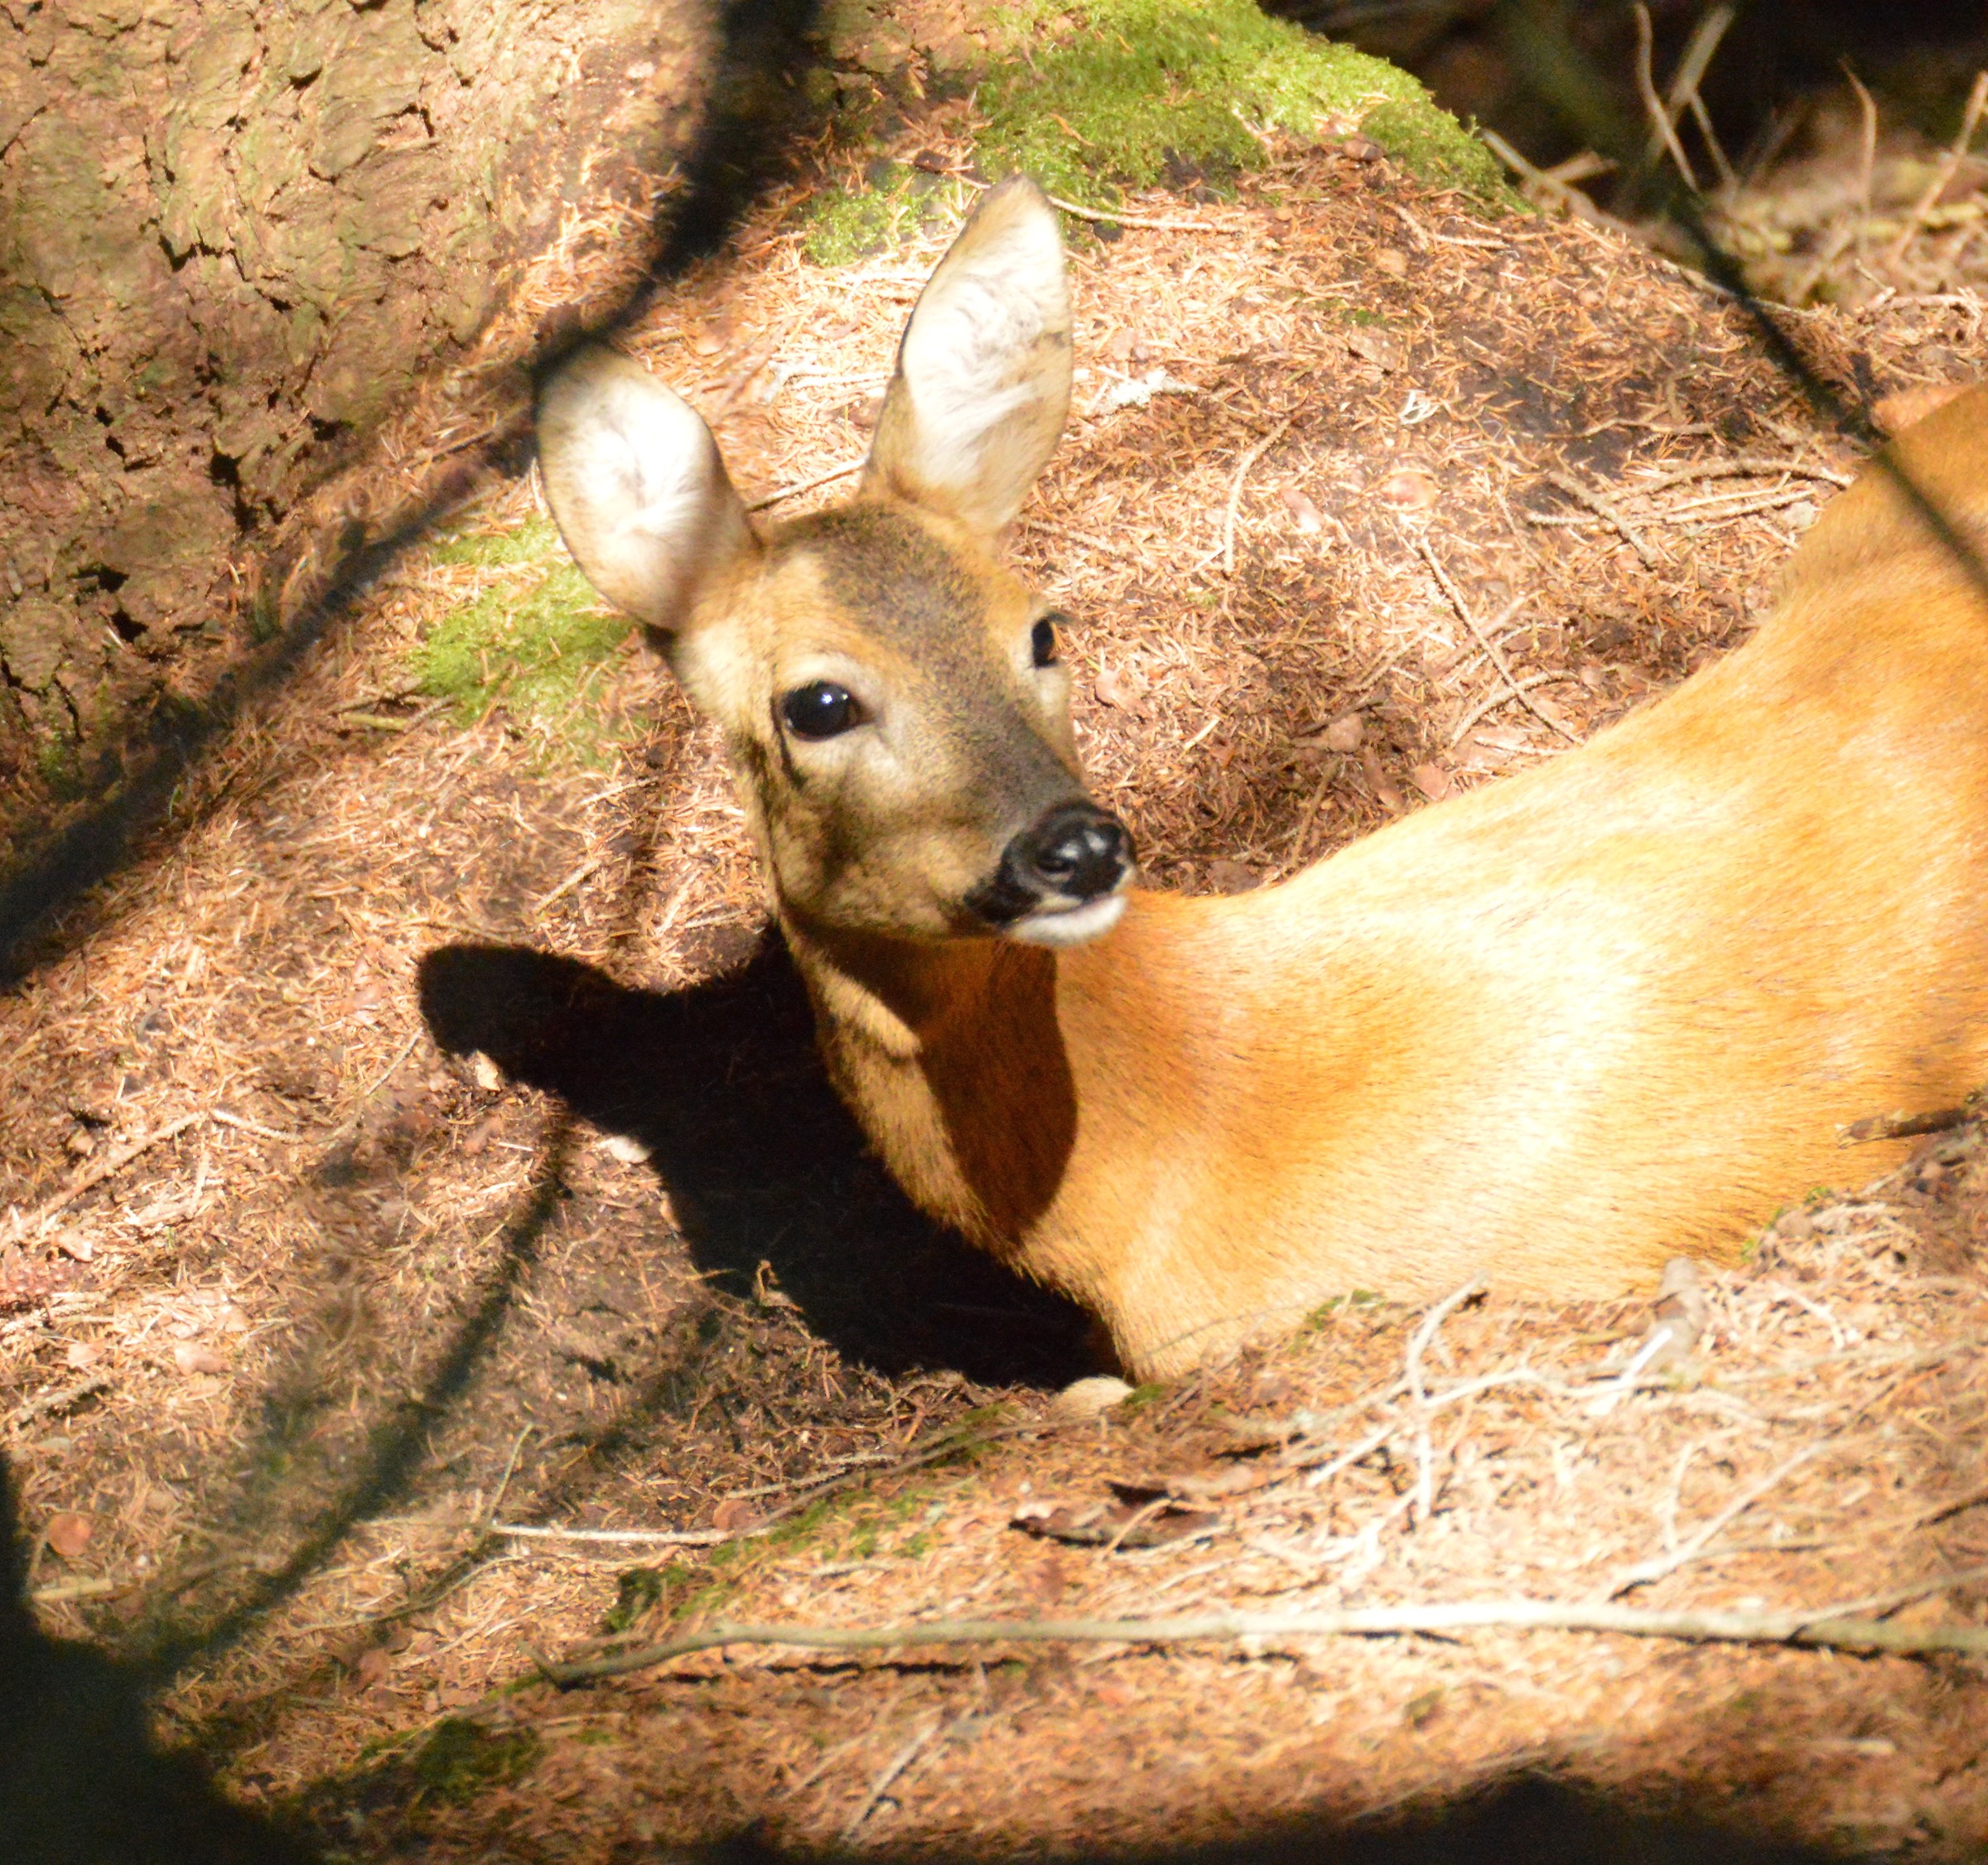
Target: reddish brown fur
{"type": "Point", "coordinates": [1556, 1031]}
{"type": "Point", "coordinates": [1553, 1032]}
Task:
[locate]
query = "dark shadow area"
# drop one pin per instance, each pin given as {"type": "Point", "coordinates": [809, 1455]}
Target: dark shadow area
{"type": "Point", "coordinates": [1524, 1817]}
{"type": "Point", "coordinates": [396, 1449]}
{"type": "Point", "coordinates": [81, 1781]}
{"type": "Point", "coordinates": [758, 115]}
{"type": "Point", "coordinates": [1771, 63]}
{"type": "Point", "coordinates": [762, 1163]}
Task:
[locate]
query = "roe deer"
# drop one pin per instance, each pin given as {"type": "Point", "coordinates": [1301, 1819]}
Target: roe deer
{"type": "Point", "coordinates": [1557, 1030]}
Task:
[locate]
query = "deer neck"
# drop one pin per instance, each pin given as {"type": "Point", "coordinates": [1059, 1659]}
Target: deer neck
{"type": "Point", "coordinates": [952, 1054]}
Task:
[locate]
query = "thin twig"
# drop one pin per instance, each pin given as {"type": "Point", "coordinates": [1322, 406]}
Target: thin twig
{"type": "Point", "coordinates": [1484, 641]}
{"type": "Point", "coordinates": [221, 1117]}
{"type": "Point", "coordinates": [1146, 220]}
{"type": "Point", "coordinates": [623, 1537]}
{"type": "Point", "coordinates": [1235, 491]}
{"type": "Point", "coordinates": [105, 1168]}
{"type": "Point", "coordinates": [350, 1126]}
{"type": "Point", "coordinates": [1566, 483]}
{"type": "Point", "coordinates": [1740, 466]}
{"type": "Point", "coordinates": [1663, 129]}
{"type": "Point", "coordinates": [1419, 1343]}
{"type": "Point", "coordinates": [1493, 701]}
{"type": "Point", "coordinates": [892, 1768]}
{"type": "Point", "coordinates": [1915, 220]}
{"type": "Point", "coordinates": [62, 1399]}
{"type": "Point", "coordinates": [1825, 1629]}
{"type": "Point", "coordinates": [801, 485]}
{"type": "Point", "coordinates": [1683, 93]}
{"type": "Point", "coordinates": [1643, 1572]}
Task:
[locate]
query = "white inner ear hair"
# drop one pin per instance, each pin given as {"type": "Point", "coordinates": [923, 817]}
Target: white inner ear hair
{"type": "Point", "coordinates": [968, 363]}
{"type": "Point", "coordinates": [667, 466]}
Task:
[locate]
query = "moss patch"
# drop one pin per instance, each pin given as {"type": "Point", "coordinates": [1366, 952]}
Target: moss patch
{"type": "Point", "coordinates": [537, 639]}
{"type": "Point", "coordinates": [461, 1759]}
{"type": "Point", "coordinates": [1114, 94]}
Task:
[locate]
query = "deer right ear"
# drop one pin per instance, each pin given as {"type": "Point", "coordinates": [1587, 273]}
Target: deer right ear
{"type": "Point", "coordinates": [637, 485]}
{"type": "Point", "coordinates": [983, 373]}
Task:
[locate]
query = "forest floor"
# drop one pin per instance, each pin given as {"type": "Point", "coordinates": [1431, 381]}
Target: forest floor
{"type": "Point", "coordinates": [305, 1314]}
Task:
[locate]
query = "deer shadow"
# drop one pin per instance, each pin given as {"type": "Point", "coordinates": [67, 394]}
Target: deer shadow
{"type": "Point", "coordinates": [722, 1085]}
{"type": "Point", "coordinates": [82, 1781]}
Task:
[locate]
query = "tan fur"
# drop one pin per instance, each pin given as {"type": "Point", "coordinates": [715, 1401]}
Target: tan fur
{"type": "Point", "coordinates": [1555, 1031]}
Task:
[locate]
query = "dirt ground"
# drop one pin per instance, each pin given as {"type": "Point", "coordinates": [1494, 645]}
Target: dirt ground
{"type": "Point", "coordinates": [423, 1142]}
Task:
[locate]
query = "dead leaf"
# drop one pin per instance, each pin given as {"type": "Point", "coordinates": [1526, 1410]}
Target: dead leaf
{"type": "Point", "coordinates": [1344, 733]}
{"type": "Point", "coordinates": [1394, 263]}
{"type": "Point", "coordinates": [1432, 780]}
{"type": "Point", "coordinates": [1139, 1520]}
{"type": "Point", "coordinates": [69, 1533]}
{"type": "Point", "coordinates": [1408, 489]}
{"type": "Point", "coordinates": [1110, 689]}
{"type": "Point", "coordinates": [486, 1073]}
{"type": "Point", "coordinates": [1384, 793]}
{"type": "Point", "coordinates": [1302, 508]}
{"type": "Point", "coordinates": [734, 1515]}
{"type": "Point", "coordinates": [1232, 877]}
{"type": "Point", "coordinates": [73, 1243]}
{"type": "Point", "coordinates": [372, 1667]}
{"type": "Point", "coordinates": [191, 1357]}
{"type": "Point", "coordinates": [81, 1355]}
{"type": "Point", "coordinates": [1376, 347]}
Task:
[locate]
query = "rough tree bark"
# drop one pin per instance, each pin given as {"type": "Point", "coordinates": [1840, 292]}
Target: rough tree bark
{"type": "Point", "coordinates": [232, 234]}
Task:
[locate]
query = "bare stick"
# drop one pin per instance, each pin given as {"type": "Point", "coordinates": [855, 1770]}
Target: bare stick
{"type": "Point", "coordinates": [1868, 110]}
{"type": "Point", "coordinates": [62, 1399]}
{"type": "Point", "coordinates": [1823, 1629]}
{"type": "Point", "coordinates": [1492, 702]}
{"type": "Point", "coordinates": [1235, 491]}
{"type": "Point", "coordinates": [1663, 130]}
{"type": "Point", "coordinates": [1684, 80]}
{"type": "Point", "coordinates": [801, 485]}
{"type": "Point", "coordinates": [1602, 508]}
{"type": "Point", "coordinates": [1740, 466]}
{"type": "Point", "coordinates": [350, 1126]}
{"type": "Point", "coordinates": [1644, 1572]}
{"type": "Point", "coordinates": [1411, 1372]}
{"type": "Point", "coordinates": [618, 1537]}
{"type": "Point", "coordinates": [1915, 221]}
{"type": "Point", "coordinates": [222, 1118]}
{"type": "Point", "coordinates": [107, 1167]}
{"type": "Point", "coordinates": [1143, 220]}
{"type": "Point", "coordinates": [1484, 641]}
{"type": "Point", "coordinates": [892, 1768]}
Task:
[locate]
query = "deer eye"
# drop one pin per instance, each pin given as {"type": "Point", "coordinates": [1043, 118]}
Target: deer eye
{"type": "Point", "coordinates": [1042, 641]}
{"type": "Point", "coordinates": [821, 709]}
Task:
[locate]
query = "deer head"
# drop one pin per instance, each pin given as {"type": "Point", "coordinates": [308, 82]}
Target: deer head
{"type": "Point", "coordinates": [890, 696]}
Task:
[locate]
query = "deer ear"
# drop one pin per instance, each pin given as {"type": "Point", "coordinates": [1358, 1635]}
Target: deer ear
{"type": "Point", "coordinates": [983, 373]}
{"type": "Point", "coordinates": [637, 485]}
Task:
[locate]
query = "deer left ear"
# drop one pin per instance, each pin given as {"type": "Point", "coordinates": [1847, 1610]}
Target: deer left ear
{"type": "Point", "coordinates": [983, 373]}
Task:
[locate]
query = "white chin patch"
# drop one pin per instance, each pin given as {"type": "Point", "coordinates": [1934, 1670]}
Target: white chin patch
{"type": "Point", "coordinates": [1072, 926]}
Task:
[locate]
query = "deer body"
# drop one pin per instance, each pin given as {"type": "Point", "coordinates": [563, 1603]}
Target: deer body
{"type": "Point", "coordinates": [1554, 1032]}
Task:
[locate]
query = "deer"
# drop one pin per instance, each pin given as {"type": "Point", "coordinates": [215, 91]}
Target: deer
{"type": "Point", "coordinates": [1552, 1031]}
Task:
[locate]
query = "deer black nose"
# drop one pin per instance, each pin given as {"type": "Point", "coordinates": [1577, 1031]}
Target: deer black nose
{"type": "Point", "coordinates": [1077, 851]}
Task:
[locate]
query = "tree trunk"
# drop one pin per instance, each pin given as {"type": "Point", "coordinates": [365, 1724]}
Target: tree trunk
{"type": "Point", "coordinates": [232, 237]}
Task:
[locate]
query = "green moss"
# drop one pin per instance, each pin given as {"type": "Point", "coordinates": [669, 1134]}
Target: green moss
{"type": "Point", "coordinates": [1432, 144]}
{"type": "Point", "coordinates": [848, 225]}
{"type": "Point", "coordinates": [637, 1591]}
{"type": "Point", "coordinates": [461, 1759]}
{"type": "Point", "coordinates": [1106, 95]}
{"type": "Point", "coordinates": [539, 638]}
